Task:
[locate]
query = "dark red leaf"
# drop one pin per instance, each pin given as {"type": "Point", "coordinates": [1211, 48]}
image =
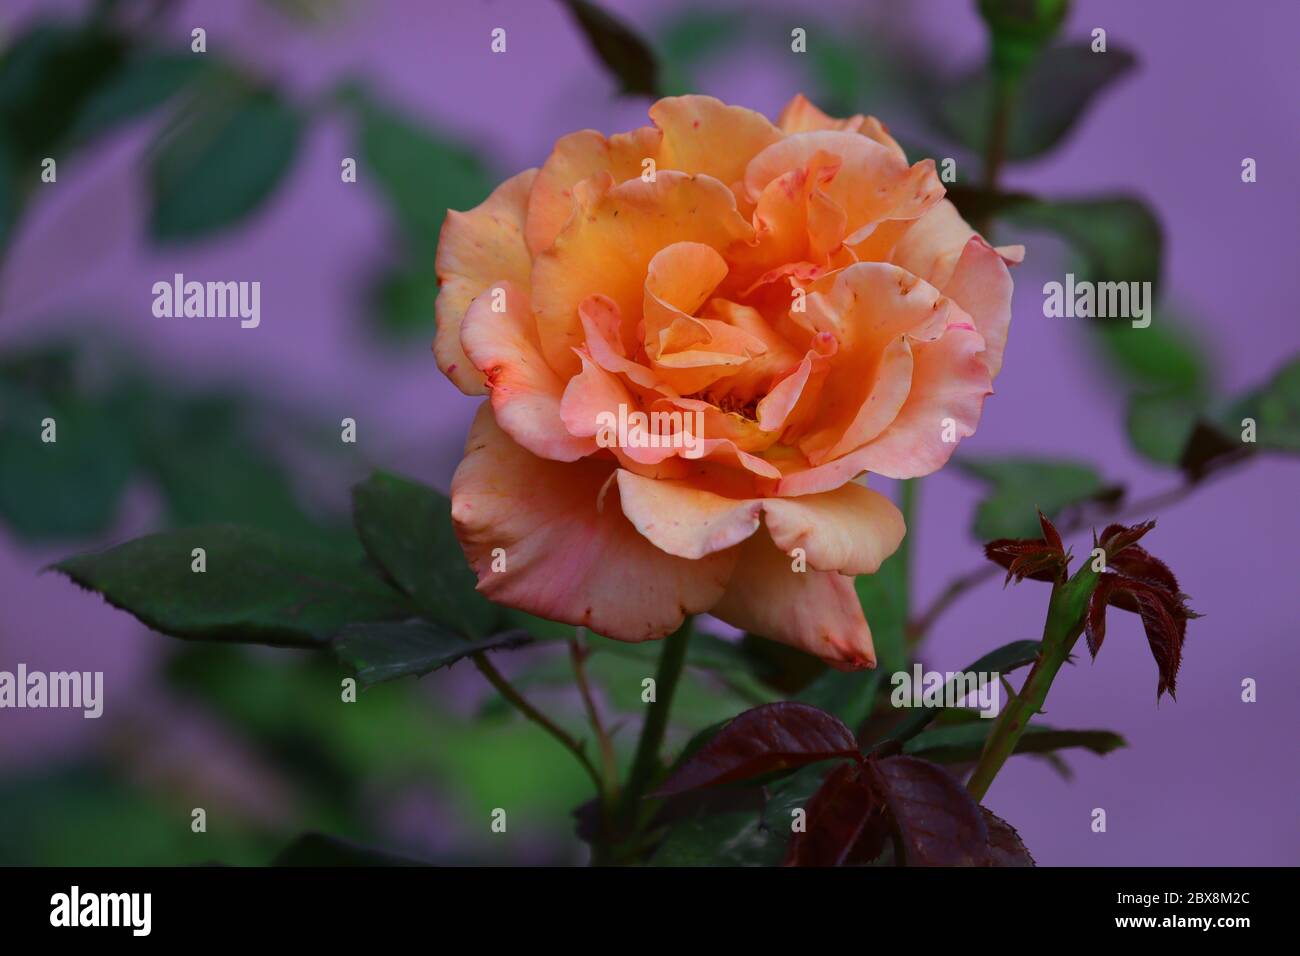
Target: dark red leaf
{"type": "Point", "coordinates": [1005, 846]}
{"type": "Point", "coordinates": [1136, 580]}
{"type": "Point", "coordinates": [1026, 558]}
{"type": "Point", "coordinates": [935, 820]}
{"type": "Point", "coordinates": [845, 822]}
{"type": "Point", "coordinates": [1136, 562]}
{"type": "Point", "coordinates": [1117, 537]}
{"type": "Point", "coordinates": [1095, 623]}
{"type": "Point", "coordinates": [762, 740]}
{"type": "Point", "coordinates": [1050, 534]}
{"type": "Point", "coordinates": [1165, 630]}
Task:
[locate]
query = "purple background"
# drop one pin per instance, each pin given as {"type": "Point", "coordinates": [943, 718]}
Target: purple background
{"type": "Point", "coordinates": [1206, 780]}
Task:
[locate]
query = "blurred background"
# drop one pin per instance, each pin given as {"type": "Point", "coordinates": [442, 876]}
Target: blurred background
{"type": "Point", "coordinates": [187, 421]}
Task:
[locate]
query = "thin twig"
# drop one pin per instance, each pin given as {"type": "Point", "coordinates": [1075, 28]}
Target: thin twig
{"type": "Point", "coordinates": [579, 652]}
{"type": "Point", "coordinates": [504, 688]}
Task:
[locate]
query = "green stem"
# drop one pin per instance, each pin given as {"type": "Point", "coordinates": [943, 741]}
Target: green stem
{"type": "Point", "coordinates": [907, 505]}
{"type": "Point", "coordinates": [506, 690]}
{"type": "Point", "coordinates": [1065, 617]}
{"type": "Point", "coordinates": [646, 765]}
{"type": "Point", "coordinates": [995, 152]}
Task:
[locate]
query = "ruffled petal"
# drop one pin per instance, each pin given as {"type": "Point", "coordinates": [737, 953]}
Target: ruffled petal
{"type": "Point", "coordinates": [949, 383]}
{"type": "Point", "coordinates": [981, 285]}
{"type": "Point", "coordinates": [569, 553]}
{"type": "Point", "coordinates": [475, 250]}
{"type": "Point", "coordinates": [852, 529]}
{"type": "Point", "coordinates": [684, 519]}
{"type": "Point", "coordinates": [576, 157]}
{"type": "Point", "coordinates": [608, 249]}
{"type": "Point", "coordinates": [801, 116]}
{"type": "Point", "coordinates": [705, 135]}
{"type": "Point", "coordinates": [815, 611]}
{"type": "Point", "coordinates": [931, 248]}
{"type": "Point", "coordinates": [525, 392]}
{"type": "Point", "coordinates": [879, 193]}
{"type": "Point", "coordinates": [874, 310]}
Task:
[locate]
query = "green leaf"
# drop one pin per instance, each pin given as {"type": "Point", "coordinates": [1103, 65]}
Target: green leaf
{"type": "Point", "coordinates": [99, 811]}
{"type": "Point", "coordinates": [849, 695]}
{"type": "Point", "coordinates": [420, 174]}
{"type": "Point", "coordinates": [1022, 486]}
{"type": "Point", "coordinates": [220, 161]}
{"type": "Point", "coordinates": [202, 453]}
{"type": "Point", "coordinates": [884, 602]}
{"type": "Point", "coordinates": [1003, 660]}
{"type": "Point", "coordinates": [693, 36]}
{"type": "Point", "coordinates": [46, 75]}
{"type": "Point", "coordinates": [1056, 92]}
{"type": "Point", "coordinates": [406, 529]}
{"type": "Point", "coordinates": [258, 587]}
{"type": "Point", "coordinates": [1164, 356]}
{"type": "Point", "coordinates": [720, 839]}
{"type": "Point", "coordinates": [964, 742]}
{"type": "Point", "coordinates": [1275, 407]}
{"type": "Point", "coordinates": [1118, 238]}
{"type": "Point", "coordinates": [401, 303]}
{"type": "Point", "coordinates": [142, 84]}
{"type": "Point", "coordinates": [68, 488]}
{"type": "Point", "coordinates": [385, 650]}
{"type": "Point", "coordinates": [318, 849]}
{"type": "Point", "coordinates": [627, 57]}
{"type": "Point", "coordinates": [1159, 425]}
{"type": "Point", "coordinates": [10, 196]}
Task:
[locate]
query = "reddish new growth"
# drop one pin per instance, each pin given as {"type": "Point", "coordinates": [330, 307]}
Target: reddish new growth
{"type": "Point", "coordinates": [1136, 581]}
{"type": "Point", "coordinates": [865, 805]}
{"type": "Point", "coordinates": [1131, 579]}
{"type": "Point", "coordinates": [1042, 559]}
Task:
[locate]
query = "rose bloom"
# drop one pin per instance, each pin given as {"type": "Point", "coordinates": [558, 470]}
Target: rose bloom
{"type": "Point", "coordinates": [800, 286]}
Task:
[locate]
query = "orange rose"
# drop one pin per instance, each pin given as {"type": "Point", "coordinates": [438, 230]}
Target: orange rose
{"type": "Point", "coordinates": [767, 313]}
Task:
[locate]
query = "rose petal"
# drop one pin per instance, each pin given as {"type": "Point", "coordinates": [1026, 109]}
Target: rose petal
{"type": "Point", "coordinates": [608, 250]}
{"type": "Point", "coordinates": [931, 248]}
{"type": "Point", "coordinates": [577, 157]}
{"type": "Point", "coordinates": [815, 611]}
{"type": "Point", "coordinates": [873, 184]}
{"type": "Point", "coordinates": [852, 529]}
{"type": "Point", "coordinates": [981, 285]}
{"type": "Point", "coordinates": [705, 135]}
{"type": "Point", "coordinates": [873, 310]}
{"type": "Point", "coordinates": [569, 556]}
{"type": "Point", "coordinates": [525, 392]}
{"type": "Point", "coordinates": [949, 383]}
{"type": "Point", "coordinates": [476, 249]}
{"type": "Point", "coordinates": [683, 519]}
